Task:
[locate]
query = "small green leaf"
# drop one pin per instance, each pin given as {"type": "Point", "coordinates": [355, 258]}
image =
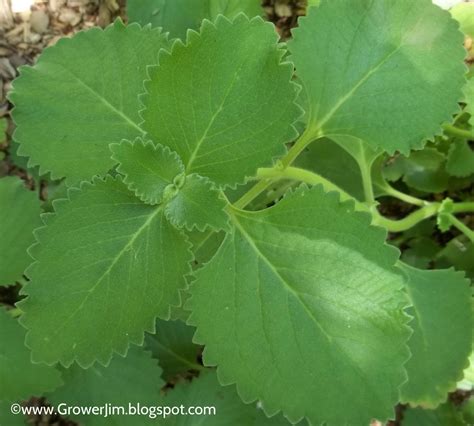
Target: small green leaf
{"type": "Point", "coordinates": [441, 340]}
{"type": "Point", "coordinates": [224, 101]}
{"type": "Point", "coordinates": [464, 14]}
{"type": "Point", "coordinates": [460, 159]}
{"type": "Point", "coordinates": [205, 391]}
{"type": "Point", "coordinates": [307, 270]}
{"type": "Point", "coordinates": [75, 101]}
{"type": "Point", "coordinates": [177, 16]}
{"type": "Point", "coordinates": [133, 380]}
{"type": "Point", "coordinates": [386, 72]}
{"type": "Point", "coordinates": [19, 216]}
{"type": "Point", "coordinates": [148, 169]}
{"type": "Point", "coordinates": [197, 204]}
{"type": "Point", "coordinates": [172, 345]}
{"type": "Point", "coordinates": [20, 378]}
{"type": "Point", "coordinates": [106, 266]}
{"type": "Point", "coordinates": [444, 415]}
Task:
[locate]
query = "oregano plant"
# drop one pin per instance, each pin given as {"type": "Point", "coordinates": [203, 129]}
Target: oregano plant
{"type": "Point", "coordinates": [232, 181]}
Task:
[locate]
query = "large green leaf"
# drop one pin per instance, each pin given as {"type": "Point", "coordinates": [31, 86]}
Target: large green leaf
{"type": "Point", "coordinates": [177, 16]}
{"type": "Point", "coordinates": [106, 266]}
{"type": "Point", "coordinates": [387, 72]}
{"type": "Point", "coordinates": [224, 101]}
{"type": "Point", "coordinates": [302, 308]}
{"type": "Point", "coordinates": [19, 377]}
{"type": "Point", "coordinates": [205, 391]}
{"type": "Point", "coordinates": [82, 95]}
{"type": "Point", "coordinates": [19, 216]}
{"type": "Point", "coordinates": [133, 380]}
{"type": "Point", "coordinates": [172, 345]}
{"type": "Point", "coordinates": [442, 337]}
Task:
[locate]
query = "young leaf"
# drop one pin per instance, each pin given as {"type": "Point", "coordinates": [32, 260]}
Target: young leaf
{"type": "Point", "coordinates": [441, 341]}
{"type": "Point", "coordinates": [133, 380]}
{"type": "Point", "coordinates": [109, 265]}
{"type": "Point", "coordinates": [172, 345]}
{"type": "Point", "coordinates": [20, 378]}
{"type": "Point", "coordinates": [444, 415]}
{"type": "Point", "coordinates": [205, 391]}
{"type": "Point", "coordinates": [177, 16]}
{"type": "Point", "coordinates": [307, 283]}
{"type": "Point", "coordinates": [197, 204]}
{"type": "Point", "coordinates": [387, 72]}
{"type": "Point", "coordinates": [19, 216]}
{"type": "Point", "coordinates": [224, 101]}
{"type": "Point", "coordinates": [148, 169]}
{"type": "Point", "coordinates": [90, 97]}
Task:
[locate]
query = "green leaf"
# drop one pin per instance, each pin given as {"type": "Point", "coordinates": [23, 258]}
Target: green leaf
{"type": "Point", "coordinates": [205, 391]}
{"type": "Point", "coordinates": [9, 419]}
{"type": "Point", "coordinates": [133, 380]}
{"type": "Point", "coordinates": [331, 161]}
{"type": "Point", "coordinates": [106, 266]}
{"type": "Point", "coordinates": [229, 118]}
{"type": "Point", "coordinates": [197, 204]}
{"type": "Point", "coordinates": [19, 216]}
{"type": "Point", "coordinates": [392, 71]}
{"type": "Point", "coordinates": [177, 16]}
{"type": "Point", "coordinates": [442, 338]}
{"type": "Point", "coordinates": [469, 98]}
{"type": "Point", "coordinates": [148, 169]}
{"type": "Point", "coordinates": [307, 270]}
{"type": "Point", "coordinates": [20, 378]}
{"type": "Point", "coordinates": [464, 14]}
{"type": "Point", "coordinates": [205, 246]}
{"type": "Point", "coordinates": [459, 253]}
{"type": "Point", "coordinates": [172, 345]}
{"type": "Point", "coordinates": [444, 415]}
{"type": "Point", "coordinates": [460, 159]}
{"type": "Point", "coordinates": [74, 102]}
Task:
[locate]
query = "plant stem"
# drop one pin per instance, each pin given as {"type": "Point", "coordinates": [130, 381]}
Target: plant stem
{"type": "Point", "coordinates": [391, 191]}
{"type": "Point", "coordinates": [407, 222]}
{"type": "Point", "coordinates": [305, 139]}
{"type": "Point", "coordinates": [463, 207]}
{"type": "Point", "coordinates": [365, 165]}
{"type": "Point", "coordinates": [469, 233]}
{"type": "Point", "coordinates": [253, 193]}
{"type": "Point", "coordinates": [455, 131]}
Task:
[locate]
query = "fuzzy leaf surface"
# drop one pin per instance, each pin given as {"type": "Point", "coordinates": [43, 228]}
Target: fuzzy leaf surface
{"type": "Point", "coordinates": [130, 380]}
{"type": "Point", "coordinates": [392, 71]}
{"type": "Point", "coordinates": [231, 411]}
{"type": "Point", "coordinates": [177, 16]}
{"type": "Point", "coordinates": [20, 378]}
{"type": "Point", "coordinates": [224, 101]}
{"type": "Point", "coordinates": [197, 204]}
{"type": "Point", "coordinates": [19, 216]}
{"type": "Point", "coordinates": [148, 168]}
{"type": "Point", "coordinates": [91, 98]}
{"type": "Point", "coordinates": [307, 270]}
{"type": "Point", "coordinates": [109, 265]}
{"type": "Point", "coordinates": [441, 340]}
{"type": "Point", "coordinates": [172, 344]}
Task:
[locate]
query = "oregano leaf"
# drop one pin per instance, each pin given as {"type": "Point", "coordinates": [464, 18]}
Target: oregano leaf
{"type": "Point", "coordinates": [148, 168]}
{"type": "Point", "coordinates": [91, 97]}
{"type": "Point", "coordinates": [441, 340]}
{"type": "Point", "coordinates": [223, 101]}
{"type": "Point", "coordinates": [392, 71]}
{"type": "Point", "coordinates": [177, 16]}
{"type": "Point", "coordinates": [205, 391]}
{"type": "Point", "coordinates": [135, 379]}
{"type": "Point", "coordinates": [20, 378]}
{"type": "Point", "coordinates": [197, 204]}
{"type": "Point", "coordinates": [19, 216]}
{"type": "Point", "coordinates": [123, 263]}
{"type": "Point", "coordinates": [172, 345]}
{"type": "Point", "coordinates": [307, 270]}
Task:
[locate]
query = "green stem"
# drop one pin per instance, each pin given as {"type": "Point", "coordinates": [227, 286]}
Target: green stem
{"type": "Point", "coordinates": [407, 222]}
{"type": "Point", "coordinates": [365, 165]}
{"type": "Point", "coordinates": [469, 233]}
{"type": "Point", "coordinates": [305, 139]}
{"type": "Point", "coordinates": [253, 193]}
{"type": "Point", "coordinates": [391, 191]}
{"type": "Point", "coordinates": [455, 131]}
{"type": "Point", "coordinates": [463, 207]}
